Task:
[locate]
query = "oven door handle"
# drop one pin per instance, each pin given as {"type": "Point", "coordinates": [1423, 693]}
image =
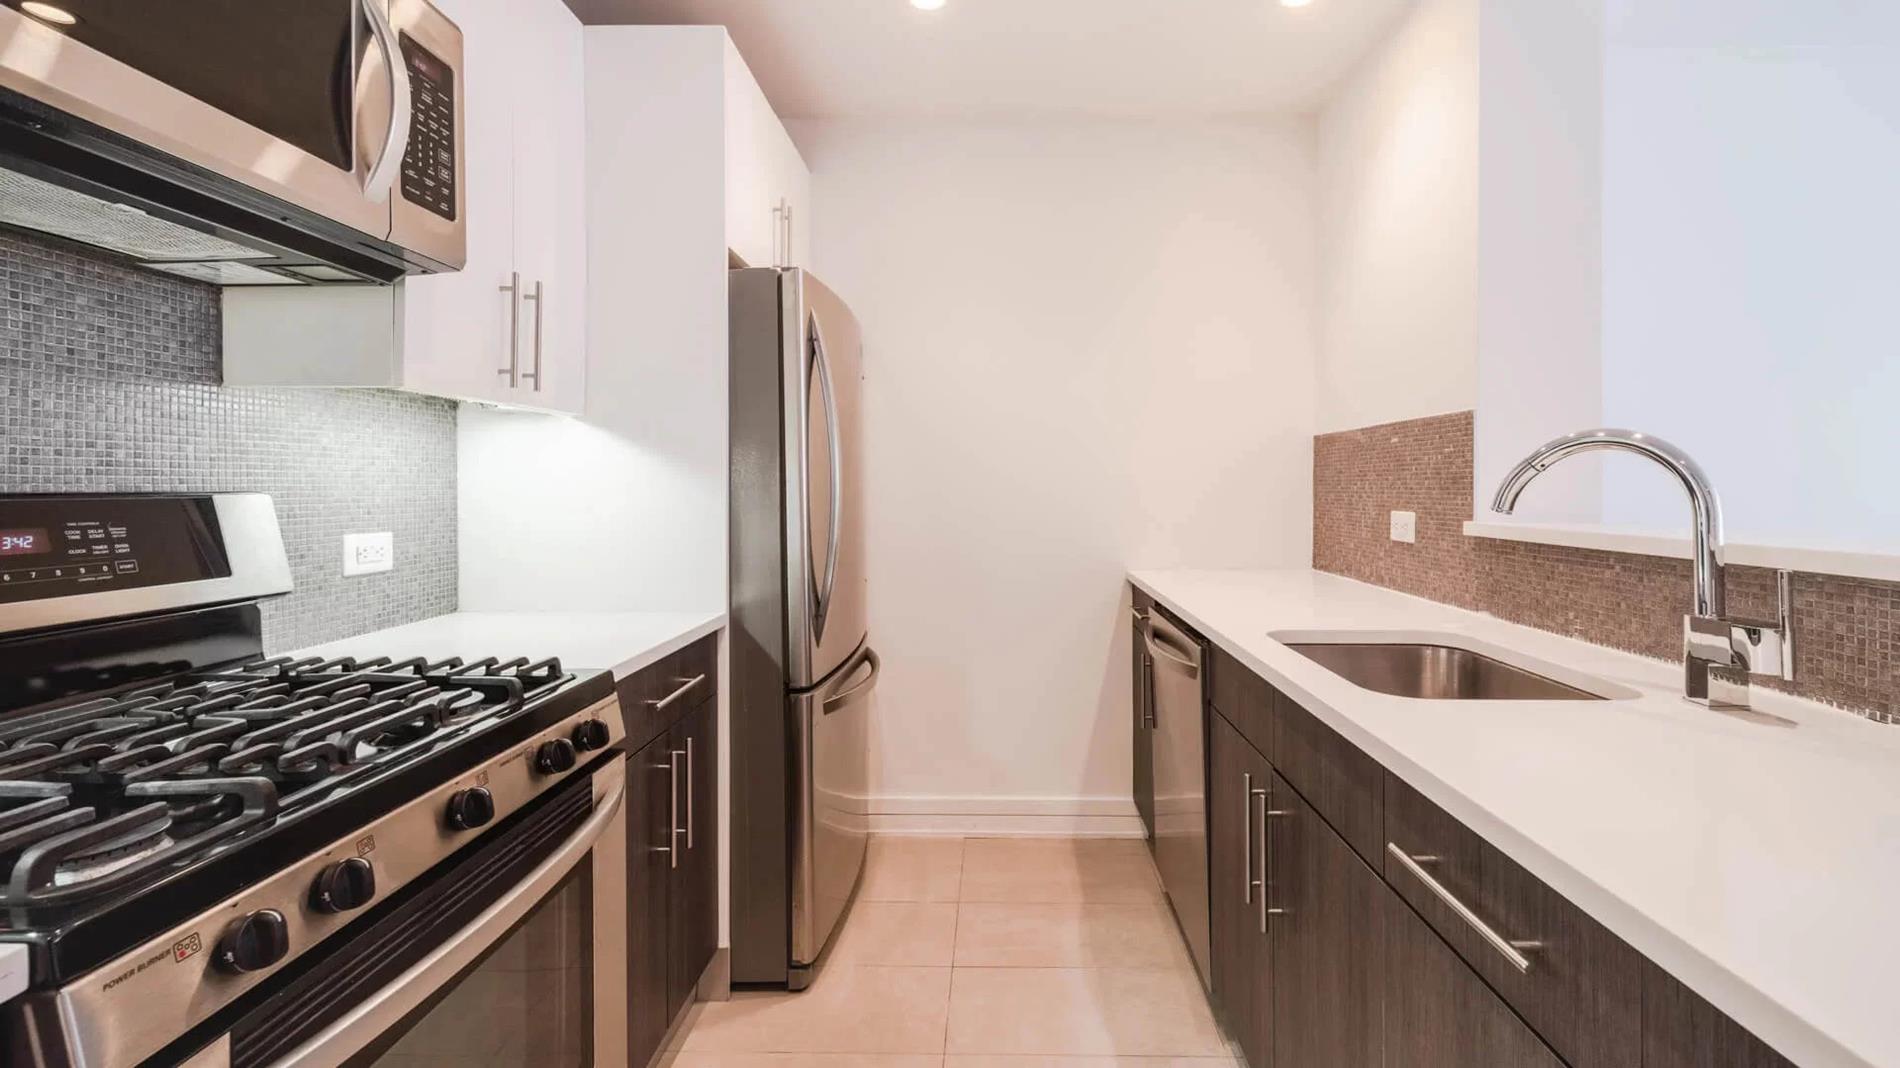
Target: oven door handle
{"type": "Point", "coordinates": [387, 1007]}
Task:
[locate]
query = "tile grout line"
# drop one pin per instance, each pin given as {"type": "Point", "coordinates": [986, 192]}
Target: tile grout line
{"type": "Point", "coordinates": [956, 924]}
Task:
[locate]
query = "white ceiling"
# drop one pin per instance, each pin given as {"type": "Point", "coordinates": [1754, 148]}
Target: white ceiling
{"type": "Point", "coordinates": [1000, 59]}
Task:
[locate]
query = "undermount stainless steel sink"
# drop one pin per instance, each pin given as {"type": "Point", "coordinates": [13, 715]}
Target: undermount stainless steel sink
{"type": "Point", "coordinates": [1435, 672]}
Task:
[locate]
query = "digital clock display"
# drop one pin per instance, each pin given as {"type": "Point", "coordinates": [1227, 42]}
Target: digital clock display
{"type": "Point", "coordinates": [23, 542]}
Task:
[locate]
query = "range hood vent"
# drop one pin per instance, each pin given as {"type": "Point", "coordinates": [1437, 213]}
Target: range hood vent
{"type": "Point", "coordinates": [27, 203]}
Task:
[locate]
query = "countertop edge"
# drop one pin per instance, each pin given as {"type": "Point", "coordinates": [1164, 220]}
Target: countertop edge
{"type": "Point", "coordinates": [711, 625]}
{"type": "Point", "coordinates": [1768, 1019]}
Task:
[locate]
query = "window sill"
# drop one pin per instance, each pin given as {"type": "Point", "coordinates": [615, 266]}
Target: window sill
{"type": "Point", "coordinates": [1869, 565]}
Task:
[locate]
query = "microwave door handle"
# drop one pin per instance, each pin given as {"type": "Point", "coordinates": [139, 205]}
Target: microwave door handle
{"type": "Point", "coordinates": [382, 176]}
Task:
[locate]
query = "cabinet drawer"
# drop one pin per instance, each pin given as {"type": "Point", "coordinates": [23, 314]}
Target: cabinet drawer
{"type": "Point", "coordinates": [1438, 1013]}
{"type": "Point", "coordinates": [1580, 986]}
{"type": "Point", "coordinates": [1680, 1030]}
{"type": "Point", "coordinates": [1346, 786]}
{"type": "Point", "coordinates": [1244, 698]}
{"type": "Point", "coordinates": [641, 692]}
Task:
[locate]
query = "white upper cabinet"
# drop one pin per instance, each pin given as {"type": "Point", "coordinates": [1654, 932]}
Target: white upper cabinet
{"type": "Point", "coordinates": [550, 216]}
{"type": "Point", "coordinates": [509, 327]}
{"type": "Point", "coordinates": [768, 188]}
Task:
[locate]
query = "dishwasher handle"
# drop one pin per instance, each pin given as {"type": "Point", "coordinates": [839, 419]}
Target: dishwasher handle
{"type": "Point", "coordinates": [1170, 647]}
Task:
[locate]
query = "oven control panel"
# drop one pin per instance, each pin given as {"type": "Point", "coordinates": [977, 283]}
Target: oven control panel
{"type": "Point", "coordinates": [58, 546]}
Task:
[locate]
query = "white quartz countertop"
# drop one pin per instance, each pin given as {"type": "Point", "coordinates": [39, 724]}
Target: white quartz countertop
{"type": "Point", "coordinates": [1757, 863]}
{"type": "Point", "coordinates": [621, 642]}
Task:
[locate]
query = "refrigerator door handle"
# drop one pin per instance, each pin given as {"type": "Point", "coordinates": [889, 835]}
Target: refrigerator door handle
{"type": "Point", "coordinates": [835, 446]}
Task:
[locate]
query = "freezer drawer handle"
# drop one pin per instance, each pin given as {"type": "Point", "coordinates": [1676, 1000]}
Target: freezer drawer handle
{"type": "Point", "coordinates": [685, 687]}
{"type": "Point", "coordinates": [839, 700]}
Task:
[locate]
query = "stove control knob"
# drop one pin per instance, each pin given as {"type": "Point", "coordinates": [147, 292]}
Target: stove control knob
{"type": "Point", "coordinates": [255, 942]}
{"type": "Point", "coordinates": [471, 808]}
{"type": "Point", "coordinates": [343, 886]}
{"type": "Point", "coordinates": [554, 757]}
{"type": "Point", "coordinates": [591, 734]}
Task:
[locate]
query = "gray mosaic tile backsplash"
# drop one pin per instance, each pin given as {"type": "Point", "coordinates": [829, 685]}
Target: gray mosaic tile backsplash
{"type": "Point", "coordinates": [109, 381]}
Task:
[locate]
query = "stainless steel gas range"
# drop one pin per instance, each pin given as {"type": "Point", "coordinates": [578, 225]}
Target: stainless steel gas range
{"type": "Point", "coordinates": [214, 858]}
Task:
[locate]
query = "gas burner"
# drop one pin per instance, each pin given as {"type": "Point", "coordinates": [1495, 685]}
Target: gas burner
{"type": "Point", "coordinates": [97, 791]}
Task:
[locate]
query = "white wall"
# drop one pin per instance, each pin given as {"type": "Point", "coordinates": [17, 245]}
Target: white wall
{"type": "Point", "coordinates": [1398, 205]}
{"type": "Point", "coordinates": [1750, 226]}
{"type": "Point", "coordinates": [1087, 346]}
{"type": "Point", "coordinates": [1540, 317]}
{"type": "Point", "coordinates": [1688, 230]}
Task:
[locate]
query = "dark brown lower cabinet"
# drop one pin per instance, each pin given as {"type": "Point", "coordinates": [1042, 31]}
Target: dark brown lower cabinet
{"type": "Point", "coordinates": [1438, 1013]}
{"type": "Point", "coordinates": [1329, 950]}
{"type": "Point", "coordinates": [672, 876]}
{"type": "Point", "coordinates": [1680, 1030]}
{"type": "Point", "coordinates": [1242, 973]}
{"type": "Point", "coordinates": [649, 829]}
{"type": "Point", "coordinates": [693, 894]}
{"type": "Point", "coordinates": [1327, 919]}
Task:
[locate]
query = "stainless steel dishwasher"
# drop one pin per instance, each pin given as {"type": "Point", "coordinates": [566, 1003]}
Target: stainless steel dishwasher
{"type": "Point", "coordinates": [1180, 776]}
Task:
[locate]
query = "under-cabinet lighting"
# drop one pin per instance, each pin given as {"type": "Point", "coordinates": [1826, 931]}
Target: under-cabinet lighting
{"type": "Point", "coordinates": [45, 12]}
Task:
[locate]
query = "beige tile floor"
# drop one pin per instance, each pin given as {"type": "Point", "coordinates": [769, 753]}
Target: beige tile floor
{"type": "Point", "coordinates": [983, 953]}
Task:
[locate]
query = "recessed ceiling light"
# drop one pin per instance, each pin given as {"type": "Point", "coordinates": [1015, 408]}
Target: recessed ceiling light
{"type": "Point", "coordinates": [926, 5]}
{"type": "Point", "coordinates": [1295, 3]}
{"type": "Point", "coordinates": [58, 16]}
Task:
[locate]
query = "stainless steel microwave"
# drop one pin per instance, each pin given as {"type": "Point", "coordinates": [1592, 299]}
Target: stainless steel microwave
{"type": "Point", "coordinates": [241, 142]}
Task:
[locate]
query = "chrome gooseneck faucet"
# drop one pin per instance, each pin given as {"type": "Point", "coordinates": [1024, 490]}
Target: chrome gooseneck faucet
{"type": "Point", "coordinates": [1710, 638]}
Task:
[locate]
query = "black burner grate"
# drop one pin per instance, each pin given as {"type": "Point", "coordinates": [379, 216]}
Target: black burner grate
{"type": "Point", "coordinates": [96, 792]}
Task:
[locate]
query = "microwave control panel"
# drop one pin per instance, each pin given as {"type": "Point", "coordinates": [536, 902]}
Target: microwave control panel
{"type": "Point", "coordinates": [60, 546]}
{"type": "Point", "coordinates": [428, 164]}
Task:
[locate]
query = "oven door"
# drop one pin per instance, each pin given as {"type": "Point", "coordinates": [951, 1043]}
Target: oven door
{"type": "Point", "coordinates": [504, 958]}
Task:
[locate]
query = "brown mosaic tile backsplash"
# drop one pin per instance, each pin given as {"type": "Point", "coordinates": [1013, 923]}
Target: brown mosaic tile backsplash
{"type": "Point", "coordinates": [1847, 630]}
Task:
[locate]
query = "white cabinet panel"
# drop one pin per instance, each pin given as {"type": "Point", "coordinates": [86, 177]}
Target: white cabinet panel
{"type": "Point", "coordinates": [549, 207]}
{"type": "Point", "coordinates": [455, 325]}
{"type": "Point", "coordinates": [764, 174]}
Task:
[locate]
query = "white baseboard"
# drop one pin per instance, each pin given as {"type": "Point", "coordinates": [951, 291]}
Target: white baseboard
{"type": "Point", "coordinates": [1025, 817]}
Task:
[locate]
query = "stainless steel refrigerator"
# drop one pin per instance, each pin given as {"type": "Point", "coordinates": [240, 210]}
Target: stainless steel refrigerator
{"type": "Point", "coordinates": [802, 664]}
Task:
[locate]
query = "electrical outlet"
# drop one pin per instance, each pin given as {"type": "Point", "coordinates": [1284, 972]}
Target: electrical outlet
{"type": "Point", "coordinates": [365, 554]}
{"type": "Point", "coordinates": [1405, 527]}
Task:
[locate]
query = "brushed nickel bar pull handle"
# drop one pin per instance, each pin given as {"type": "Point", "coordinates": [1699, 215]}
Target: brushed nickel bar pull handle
{"type": "Point", "coordinates": [513, 370]}
{"type": "Point", "coordinates": [1247, 881]}
{"type": "Point", "coordinates": [1510, 950]}
{"type": "Point", "coordinates": [685, 687]}
{"type": "Point", "coordinates": [671, 767]}
{"type": "Point", "coordinates": [689, 793]}
{"type": "Point", "coordinates": [788, 235]}
{"type": "Point", "coordinates": [778, 231]}
{"type": "Point", "coordinates": [539, 306]}
{"type": "Point", "coordinates": [673, 808]}
{"type": "Point", "coordinates": [1266, 890]}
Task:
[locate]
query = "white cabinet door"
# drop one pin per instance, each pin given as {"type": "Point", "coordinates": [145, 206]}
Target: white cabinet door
{"type": "Point", "coordinates": [765, 176]}
{"type": "Point", "coordinates": [550, 205]}
{"type": "Point", "coordinates": [794, 184]}
{"type": "Point", "coordinates": [751, 223]}
{"type": "Point", "coordinates": [455, 325]}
